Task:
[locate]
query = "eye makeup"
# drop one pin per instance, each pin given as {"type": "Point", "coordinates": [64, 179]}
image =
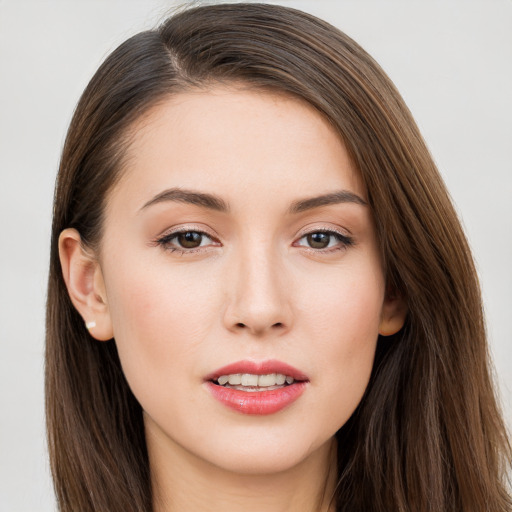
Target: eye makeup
{"type": "Point", "coordinates": [324, 240]}
{"type": "Point", "coordinates": [189, 241]}
{"type": "Point", "coordinates": [186, 240]}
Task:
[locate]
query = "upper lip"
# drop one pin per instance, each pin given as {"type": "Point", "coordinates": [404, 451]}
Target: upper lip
{"type": "Point", "coordinates": [258, 368]}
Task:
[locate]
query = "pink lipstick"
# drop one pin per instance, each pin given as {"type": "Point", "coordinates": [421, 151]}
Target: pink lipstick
{"type": "Point", "coordinates": [258, 388]}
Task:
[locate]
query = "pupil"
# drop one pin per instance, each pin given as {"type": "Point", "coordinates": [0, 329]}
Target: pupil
{"type": "Point", "coordinates": [318, 240]}
{"type": "Point", "coordinates": [190, 239]}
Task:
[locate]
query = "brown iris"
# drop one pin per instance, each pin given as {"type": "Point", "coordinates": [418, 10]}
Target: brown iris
{"type": "Point", "coordinates": [190, 239]}
{"type": "Point", "coordinates": [318, 240]}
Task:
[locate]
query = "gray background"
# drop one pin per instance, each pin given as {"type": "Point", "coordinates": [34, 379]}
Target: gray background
{"type": "Point", "coordinates": [452, 61]}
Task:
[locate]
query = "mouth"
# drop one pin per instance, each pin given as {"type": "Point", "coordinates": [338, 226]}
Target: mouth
{"type": "Point", "coordinates": [251, 382]}
{"type": "Point", "coordinates": [257, 388]}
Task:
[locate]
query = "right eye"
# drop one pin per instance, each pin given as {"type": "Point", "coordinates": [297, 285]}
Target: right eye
{"type": "Point", "coordinates": [185, 241]}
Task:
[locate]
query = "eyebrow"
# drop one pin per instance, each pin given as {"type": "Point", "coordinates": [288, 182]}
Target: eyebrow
{"type": "Point", "coordinates": [216, 203]}
{"type": "Point", "coordinates": [188, 196]}
{"type": "Point", "coordinates": [341, 196]}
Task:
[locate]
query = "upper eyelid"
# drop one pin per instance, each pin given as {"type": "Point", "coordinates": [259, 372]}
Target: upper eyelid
{"type": "Point", "coordinates": [169, 233]}
{"type": "Point", "coordinates": [338, 231]}
{"type": "Point", "coordinates": [345, 239]}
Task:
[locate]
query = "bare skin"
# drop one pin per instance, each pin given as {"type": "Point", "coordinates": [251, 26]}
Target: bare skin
{"type": "Point", "coordinates": [307, 487]}
{"type": "Point", "coordinates": [279, 262]}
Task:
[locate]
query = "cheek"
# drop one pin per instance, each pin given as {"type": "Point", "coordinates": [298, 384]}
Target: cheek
{"type": "Point", "coordinates": [160, 318]}
{"type": "Point", "coordinates": [343, 307]}
{"type": "Point", "coordinates": [343, 318]}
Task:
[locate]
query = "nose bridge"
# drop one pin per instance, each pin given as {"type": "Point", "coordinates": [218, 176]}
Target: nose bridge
{"type": "Point", "coordinates": [258, 300]}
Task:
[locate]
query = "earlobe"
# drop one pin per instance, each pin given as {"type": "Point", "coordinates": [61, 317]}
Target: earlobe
{"type": "Point", "coordinates": [86, 288]}
{"type": "Point", "coordinates": [394, 311]}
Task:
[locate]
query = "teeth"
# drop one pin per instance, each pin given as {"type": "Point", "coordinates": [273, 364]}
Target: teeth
{"type": "Point", "coordinates": [268, 380]}
{"type": "Point", "coordinates": [251, 380]}
{"type": "Point", "coordinates": [280, 379]}
{"type": "Point", "coordinates": [235, 379]}
{"type": "Point", "coordinates": [223, 380]}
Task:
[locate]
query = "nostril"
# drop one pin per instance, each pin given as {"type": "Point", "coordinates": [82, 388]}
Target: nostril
{"type": "Point", "coordinates": [258, 329]}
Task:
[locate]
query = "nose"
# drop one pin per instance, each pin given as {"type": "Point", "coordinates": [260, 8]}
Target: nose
{"type": "Point", "coordinates": [258, 296]}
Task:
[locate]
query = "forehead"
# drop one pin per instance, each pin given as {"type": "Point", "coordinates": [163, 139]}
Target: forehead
{"type": "Point", "coordinates": [232, 141]}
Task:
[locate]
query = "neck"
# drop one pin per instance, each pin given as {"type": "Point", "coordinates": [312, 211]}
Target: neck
{"type": "Point", "coordinates": [183, 482]}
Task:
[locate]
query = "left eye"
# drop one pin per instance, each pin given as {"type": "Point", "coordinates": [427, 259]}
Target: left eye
{"type": "Point", "coordinates": [324, 240]}
{"type": "Point", "coordinates": [183, 240]}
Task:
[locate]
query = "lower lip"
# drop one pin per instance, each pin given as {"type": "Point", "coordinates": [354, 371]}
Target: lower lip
{"type": "Point", "coordinates": [257, 402]}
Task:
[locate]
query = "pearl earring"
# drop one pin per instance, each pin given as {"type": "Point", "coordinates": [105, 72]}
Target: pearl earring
{"type": "Point", "coordinates": [90, 325]}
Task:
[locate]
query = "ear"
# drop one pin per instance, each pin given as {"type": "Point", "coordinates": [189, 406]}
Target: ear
{"type": "Point", "coordinates": [84, 281]}
{"type": "Point", "coordinates": [394, 311]}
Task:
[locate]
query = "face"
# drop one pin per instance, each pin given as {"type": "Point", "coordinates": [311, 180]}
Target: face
{"type": "Point", "coordinates": [238, 247]}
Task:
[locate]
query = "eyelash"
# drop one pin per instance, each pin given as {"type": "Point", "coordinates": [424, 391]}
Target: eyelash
{"type": "Point", "coordinates": [344, 240]}
{"type": "Point", "coordinates": [165, 241]}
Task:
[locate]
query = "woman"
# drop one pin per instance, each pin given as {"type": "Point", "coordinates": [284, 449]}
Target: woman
{"type": "Point", "coordinates": [260, 294]}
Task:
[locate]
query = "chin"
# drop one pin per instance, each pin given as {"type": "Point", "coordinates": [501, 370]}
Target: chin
{"type": "Point", "coordinates": [266, 456]}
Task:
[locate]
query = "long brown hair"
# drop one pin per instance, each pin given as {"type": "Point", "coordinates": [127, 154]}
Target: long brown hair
{"type": "Point", "coordinates": [428, 435]}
